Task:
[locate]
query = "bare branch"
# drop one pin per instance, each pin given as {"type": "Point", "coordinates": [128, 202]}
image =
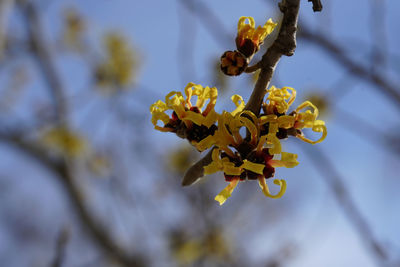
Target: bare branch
{"type": "Point", "coordinates": [253, 68]}
{"type": "Point", "coordinates": [44, 57]}
{"type": "Point", "coordinates": [61, 244]}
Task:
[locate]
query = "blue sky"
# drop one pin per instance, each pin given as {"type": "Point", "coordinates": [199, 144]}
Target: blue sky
{"type": "Point", "coordinates": [156, 28]}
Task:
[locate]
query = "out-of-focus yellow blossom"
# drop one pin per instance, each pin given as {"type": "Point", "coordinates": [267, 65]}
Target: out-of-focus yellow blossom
{"type": "Point", "coordinates": [188, 120]}
{"type": "Point", "coordinates": [249, 38]}
{"type": "Point", "coordinates": [74, 26]}
{"type": "Point", "coordinates": [210, 245]}
{"type": "Point", "coordinates": [181, 158]}
{"type": "Point", "coordinates": [99, 164]}
{"type": "Point", "coordinates": [320, 101]}
{"type": "Point", "coordinates": [64, 141]}
{"type": "Point", "coordinates": [119, 67]}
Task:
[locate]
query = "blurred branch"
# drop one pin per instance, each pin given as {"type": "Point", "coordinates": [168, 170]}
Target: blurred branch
{"type": "Point", "coordinates": [61, 244]}
{"type": "Point", "coordinates": [5, 8]}
{"type": "Point", "coordinates": [61, 168]}
{"type": "Point", "coordinates": [44, 57]}
{"type": "Point", "coordinates": [209, 19]}
{"type": "Point", "coordinates": [335, 182]}
{"type": "Point", "coordinates": [337, 53]}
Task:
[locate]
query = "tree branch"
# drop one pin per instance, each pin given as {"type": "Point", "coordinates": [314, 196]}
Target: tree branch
{"type": "Point", "coordinates": [44, 57]}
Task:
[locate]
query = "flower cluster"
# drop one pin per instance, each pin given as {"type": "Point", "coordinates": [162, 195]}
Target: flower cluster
{"type": "Point", "coordinates": [244, 146]}
{"type": "Point", "coordinates": [250, 156]}
{"type": "Point", "coordinates": [248, 42]}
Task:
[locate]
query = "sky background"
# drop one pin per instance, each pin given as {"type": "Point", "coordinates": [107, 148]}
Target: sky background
{"type": "Point", "coordinates": [175, 47]}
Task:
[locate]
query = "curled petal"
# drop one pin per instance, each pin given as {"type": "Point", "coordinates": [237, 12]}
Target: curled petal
{"type": "Point", "coordinates": [158, 113]}
{"type": "Point", "coordinates": [212, 94]}
{"type": "Point", "coordinates": [226, 192]}
{"type": "Point", "coordinates": [306, 104]}
{"type": "Point", "coordinates": [318, 126]}
{"type": "Point", "coordinates": [265, 189]}
{"type": "Point", "coordinates": [174, 100]}
{"type": "Point", "coordinates": [239, 103]}
{"type": "Point", "coordinates": [189, 93]}
{"type": "Point", "coordinates": [242, 23]}
{"type": "Point", "coordinates": [251, 127]}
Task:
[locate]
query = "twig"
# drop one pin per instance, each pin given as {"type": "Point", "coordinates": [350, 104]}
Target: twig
{"type": "Point", "coordinates": [335, 182]}
{"type": "Point", "coordinates": [316, 5]}
{"type": "Point", "coordinates": [253, 68]}
{"type": "Point", "coordinates": [5, 8]}
{"type": "Point", "coordinates": [337, 53]}
{"type": "Point", "coordinates": [44, 58]}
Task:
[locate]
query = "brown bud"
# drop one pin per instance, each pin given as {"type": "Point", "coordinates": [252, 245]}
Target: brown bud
{"type": "Point", "coordinates": [233, 63]}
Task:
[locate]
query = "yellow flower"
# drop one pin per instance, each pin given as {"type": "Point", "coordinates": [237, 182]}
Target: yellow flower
{"type": "Point", "coordinates": [276, 107]}
{"type": "Point", "coordinates": [188, 120]}
{"type": "Point", "coordinates": [65, 142]}
{"type": "Point", "coordinates": [249, 38]}
{"type": "Point", "coordinates": [248, 157]}
{"type": "Point", "coordinates": [120, 65]}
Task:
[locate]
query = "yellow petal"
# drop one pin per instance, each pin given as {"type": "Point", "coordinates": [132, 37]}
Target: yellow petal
{"type": "Point", "coordinates": [226, 192]}
{"type": "Point", "coordinates": [265, 189]}
{"type": "Point", "coordinates": [254, 167]}
{"type": "Point", "coordinates": [286, 121]}
{"type": "Point", "coordinates": [239, 103]}
{"type": "Point", "coordinates": [211, 118]}
{"type": "Point", "coordinates": [206, 143]}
